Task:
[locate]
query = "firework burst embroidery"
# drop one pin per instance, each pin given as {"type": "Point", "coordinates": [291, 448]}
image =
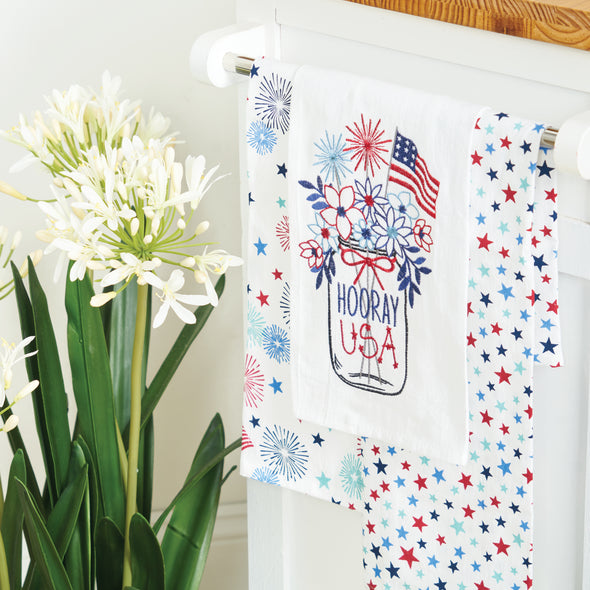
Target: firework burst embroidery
{"type": "Point", "coordinates": [255, 327]}
{"type": "Point", "coordinates": [253, 382]}
{"type": "Point", "coordinates": [331, 158]}
{"type": "Point", "coordinates": [366, 145]}
{"type": "Point", "coordinates": [282, 450]}
{"type": "Point", "coordinates": [262, 138]}
{"type": "Point", "coordinates": [266, 475]}
{"type": "Point", "coordinates": [351, 476]}
{"type": "Point", "coordinates": [246, 440]}
{"type": "Point", "coordinates": [285, 303]}
{"type": "Point", "coordinates": [273, 104]}
{"type": "Point", "coordinates": [276, 343]}
{"type": "Point", "coordinates": [282, 232]}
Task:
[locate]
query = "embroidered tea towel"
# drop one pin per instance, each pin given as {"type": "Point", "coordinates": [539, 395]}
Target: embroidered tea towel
{"type": "Point", "coordinates": [277, 448]}
{"type": "Point", "coordinates": [431, 524]}
{"type": "Point", "coordinates": [378, 184]}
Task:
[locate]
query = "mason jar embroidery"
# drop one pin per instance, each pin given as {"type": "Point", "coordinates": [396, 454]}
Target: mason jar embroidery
{"type": "Point", "coordinates": [369, 243]}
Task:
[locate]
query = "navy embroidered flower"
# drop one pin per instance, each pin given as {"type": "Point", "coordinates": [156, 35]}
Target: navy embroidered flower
{"type": "Point", "coordinates": [392, 233]}
{"type": "Point", "coordinates": [369, 199]}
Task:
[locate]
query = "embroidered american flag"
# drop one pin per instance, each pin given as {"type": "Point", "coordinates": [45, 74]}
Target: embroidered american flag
{"type": "Point", "coordinates": [409, 170]}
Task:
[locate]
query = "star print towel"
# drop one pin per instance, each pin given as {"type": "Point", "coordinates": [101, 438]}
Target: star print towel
{"type": "Point", "coordinates": [431, 524]}
{"type": "Point", "coordinates": [378, 184]}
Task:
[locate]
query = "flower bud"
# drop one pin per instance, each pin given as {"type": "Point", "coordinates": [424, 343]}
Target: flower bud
{"type": "Point", "coordinates": [188, 262]}
{"type": "Point", "coordinates": [147, 240]}
{"type": "Point", "coordinates": [16, 240]}
{"type": "Point", "coordinates": [181, 224]}
{"type": "Point", "coordinates": [26, 390]}
{"type": "Point", "coordinates": [202, 228]}
{"type": "Point", "coordinates": [10, 424]}
{"type": "Point", "coordinates": [102, 298]}
{"type": "Point", "coordinates": [134, 226]}
{"type": "Point", "coordinates": [200, 276]}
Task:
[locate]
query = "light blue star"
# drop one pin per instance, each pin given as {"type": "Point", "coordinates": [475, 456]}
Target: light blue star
{"type": "Point", "coordinates": [260, 247]}
{"type": "Point", "coordinates": [413, 500]}
{"type": "Point", "coordinates": [480, 219]}
{"type": "Point", "coordinates": [501, 406]}
{"type": "Point", "coordinates": [433, 561]}
{"type": "Point", "coordinates": [276, 385]}
{"type": "Point", "coordinates": [484, 270]}
{"type": "Point", "coordinates": [519, 368]}
{"type": "Point", "coordinates": [425, 460]}
{"type": "Point", "coordinates": [458, 526]}
{"type": "Point", "coordinates": [547, 324]}
{"type": "Point", "coordinates": [503, 227]}
{"type": "Point", "coordinates": [386, 542]}
{"type": "Point", "coordinates": [400, 481]}
{"type": "Point", "coordinates": [506, 292]}
{"type": "Point", "coordinates": [524, 315]}
{"type": "Point", "coordinates": [281, 203]}
{"type": "Point", "coordinates": [401, 533]}
{"type": "Point", "coordinates": [498, 576]}
{"type": "Point", "coordinates": [524, 183]}
{"type": "Point", "coordinates": [438, 475]}
{"type": "Point", "coordinates": [501, 270]}
{"type": "Point", "coordinates": [324, 481]}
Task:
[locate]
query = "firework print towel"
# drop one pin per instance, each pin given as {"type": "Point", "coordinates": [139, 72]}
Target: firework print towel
{"type": "Point", "coordinates": [430, 524]}
{"type": "Point", "coordinates": [276, 447]}
{"type": "Point", "coordinates": [378, 185]}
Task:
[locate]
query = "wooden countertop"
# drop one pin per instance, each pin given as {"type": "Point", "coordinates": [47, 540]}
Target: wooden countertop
{"type": "Point", "coordinates": [564, 22]}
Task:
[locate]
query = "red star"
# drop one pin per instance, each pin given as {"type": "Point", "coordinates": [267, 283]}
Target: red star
{"type": "Point", "coordinates": [504, 252]}
{"type": "Point", "coordinates": [503, 375]}
{"type": "Point", "coordinates": [384, 486]}
{"type": "Point", "coordinates": [496, 328]}
{"type": "Point", "coordinates": [370, 527]}
{"type": "Point", "coordinates": [406, 466]}
{"type": "Point", "coordinates": [351, 507]}
{"type": "Point", "coordinates": [528, 582]}
{"type": "Point", "coordinates": [532, 297]}
{"type": "Point", "coordinates": [501, 547]}
{"type": "Point", "coordinates": [485, 417]}
{"type": "Point", "coordinates": [471, 340]}
{"type": "Point", "coordinates": [465, 480]}
{"type": "Point", "coordinates": [481, 586]}
{"type": "Point", "coordinates": [375, 450]}
{"type": "Point", "coordinates": [509, 194]}
{"type": "Point", "coordinates": [535, 241]}
{"type": "Point", "coordinates": [552, 306]}
{"type": "Point", "coordinates": [441, 540]}
{"type": "Point", "coordinates": [528, 475]}
{"type": "Point", "coordinates": [504, 429]}
{"type": "Point", "coordinates": [476, 159]}
{"type": "Point", "coordinates": [505, 142]}
{"type": "Point", "coordinates": [469, 512]}
{"type": "Point", "coordinates": [477, 123]}
{"type": "Point", "coordinates": [529, 412]}
{"type": "Point", "coordinates": [546, 231]}
{"type": "Point", "coordinates": [550, 195]}
{"type": "Point", "coordinates": [546, 278]}
{"type": "Point", "coordinates": [484, 242]}
{"type": "Point", "coordinates": [420, 482]}
{"type": "Point", "coordinates": [408, 556]}
{"type": "Point", "coordinates": [495, 502]}
{"type": "Point", "coordinates": [469, 310]}
{"type": "Point", "coordinates": [371, 586]}
{"type": "Point", "coordinates": [374, 495]}
{"type": "Point", "coordinates": [419, 523]}
{"type": "Point", "coordinates": [277, 275]}
{"type": "Point", "coordinates": [263, 299]}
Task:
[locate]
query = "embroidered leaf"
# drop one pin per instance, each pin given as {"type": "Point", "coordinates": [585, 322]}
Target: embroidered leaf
{"type": "Point", "coordinates": [404, 284]}
{"type": "Point", "coordinates": [319, 206]}
{"type": "Point", "coordinates": [320, 184]}
{"type": "Point", "coordinates": [318, 281]}
{"type": "Point", "coordinates": [402, 272]}
{"type": "Point", "coordinates": [314, 197]}
{"type": "Point", "coordinates": [411, 297]}
{"type": "Point", "coordinates": [332, 264]}
{"type": "Point", "coordinates": [306, 184]}
{"type": "Point", "coordinates": [419, 261]}
{"type": "Point", "coordinates": [425, 270]}
{"type": "Point", "coordinates": [418, 275]}
{"type": "Point", "coordinates": [413, 249]}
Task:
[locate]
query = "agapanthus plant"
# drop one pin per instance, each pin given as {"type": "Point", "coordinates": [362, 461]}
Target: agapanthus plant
{"type": "Point", "coordinates": [120, 213]}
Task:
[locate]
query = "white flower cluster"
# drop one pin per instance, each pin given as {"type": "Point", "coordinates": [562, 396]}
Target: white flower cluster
{"type": "Point", "coordinates": [10, 354]}
{"type": "Point", "coordinates": [121, 202]}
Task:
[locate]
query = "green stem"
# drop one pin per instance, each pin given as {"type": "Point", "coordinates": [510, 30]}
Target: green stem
{"type": "Point", "coordinates": [134, 423]}
{"type": "Point", "coordinates": [4, 579]}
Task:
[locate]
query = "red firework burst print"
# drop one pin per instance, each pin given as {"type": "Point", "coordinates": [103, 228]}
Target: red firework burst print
{"type": "Point", "coordinates": [282, 232]}
{"type": "Point", "coordinates": [366, 145]}
{"type": "Point", "coordinates": [253, 383]}
{"type": "Point", "coordinates": [246, 440]}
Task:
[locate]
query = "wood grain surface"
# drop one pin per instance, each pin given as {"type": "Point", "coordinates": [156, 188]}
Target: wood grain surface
{"type": "Point", "coordinates": [565, 22]}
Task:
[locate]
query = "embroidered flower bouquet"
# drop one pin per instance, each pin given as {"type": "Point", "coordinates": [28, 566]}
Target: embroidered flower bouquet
{"type": "Point", "coordinates": [121, 214]}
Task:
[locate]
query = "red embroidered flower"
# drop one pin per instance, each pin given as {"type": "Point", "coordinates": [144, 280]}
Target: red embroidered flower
{"type": "Point", "coordinates": [313, 253]}
{"type": "Point", "coordinates": [366, 143]}
{"type": "Point", "coordinates": [422, 234]}
{"type": "Point", "coordinates": [341, 211]}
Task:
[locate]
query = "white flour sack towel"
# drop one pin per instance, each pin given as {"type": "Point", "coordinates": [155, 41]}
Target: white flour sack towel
{"type": "Point", "coordinates": [378, 205]}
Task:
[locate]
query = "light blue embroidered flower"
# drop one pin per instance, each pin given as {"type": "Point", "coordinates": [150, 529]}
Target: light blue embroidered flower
{"type": "Point", "coordinates": [364, 235]}
{"type": "Point", "coordinates": [392, 233]}
{"type": "Point", "coordinates": [262, 138]}
{"type": "Point", "coordinates": [326, 235]}
{"type": "Point", "coordinates": [404, 204]}
{"type": "Point", "coordinates": [332, 158]}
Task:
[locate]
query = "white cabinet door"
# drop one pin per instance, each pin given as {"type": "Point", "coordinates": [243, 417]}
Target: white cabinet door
{"type": "Point", "coordinates": [299, 543]}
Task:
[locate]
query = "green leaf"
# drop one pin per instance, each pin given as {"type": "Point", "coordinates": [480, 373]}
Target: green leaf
{"type": "Point", "coordinates": [188, 535]}
{"type": "Point", "coordinates": [43, 551]}
{"type": "Point", "coordinates": [91, 381]}
{"type": "Point", "coordinates": [28, 319]}
{"type": "Point", "coordinates": [12, 521]}
{"type": "Point", "coordinates": [147, 563]}
{"type": "Point", "coordinates": [172, 361]}
{"type": "Point", "coordinates": [110, 546]}
{"type": "Point", "coordinates": [194, 479]}
{"type": "Point", "coordinates": [92, 485]}
{"type": "Point", "coordinates": [146, 470]}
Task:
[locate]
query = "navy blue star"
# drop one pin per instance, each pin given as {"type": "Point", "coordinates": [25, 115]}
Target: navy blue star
{"type": "Point", "coordinates": [434, 515]}
{"type": "Point", "coordinates": [441, 585]}
{"type": "Point", "coordinates": [337, 502]}
{"type": "Point", "coordinates": [501, 350]}
{"type": "Point", "coordinates": [514, 507]}
{"type": "Point", "coordinates": [485, 298]}
{"type": "Point", "coordinates": [496, 206]}
{"type": "Point", "coordinates": [448, 504]}
{"type": "Point", "coordinates": [525, 147]}
{"type": "Point", "coordinates": [250, 199]}
{"type": "Point", "coordinates": [501, 116]}
{"type": "Point", "coordinates": [317, 439]}
{"type": "Point", "coordinates": [539, 262]}
{"type": "Point", "coordinates": [517, 453]}
{"type": "Point", "coordinates": [530, 207]}
{"type": "Point", "coordinates": [376, 550]}
{"type": "Point", "coordinates": [485, 528]}
{"type": "Point", "coordinates": [485, 356]}
{"type": "Point", "coordinates": [491, 386]}
{"type": "Point", "coordinates": [501, 522]}
{"type": "Point", "coordinates": [545, 170]}
{"type": "Point", "coordinates": [493, 174]}
{"type": "Point", "coordinates": [254, 421]}
{"type": "Point", "coordinates": [282, 169]}
{"type": "Point", "coordinates": [453, 566]}
{"type": "Point", "coordinates": [488, 557]}
{"type": "Point", "coordinates": [392, 570]}
{"type": "Point", "coordinates": [548, 346]}
{"type": "Point", "coordinates": [553, 215]}
{"type": "Point", "coordinates": [517, 334]}
{"type": "Point", "coordinates": [380, 466]}
{"type": "Point", "coordinates": [422, 544]}
{"type": "Point", "coordinates": [368, 507]}
{"type": "Point", "coordinates": [486, 472]}
{"type": "Point", "coordinates": [526, 562]}
{"type": "Point", "coordinates": [509, 166]}
{"type": "Point", "coordinates": [254, 71]}
{"type": "Point", "coordinates": [518, 276]}
{"type": "Point", "coordinates": [528, 390]}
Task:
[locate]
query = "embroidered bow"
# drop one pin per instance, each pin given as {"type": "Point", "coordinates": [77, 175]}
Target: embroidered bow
{"type": "Point", "coordinates": [352, 257]}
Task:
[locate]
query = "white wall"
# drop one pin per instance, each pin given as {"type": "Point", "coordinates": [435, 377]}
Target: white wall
{"type": "Point", "coordinates": [46, 45]}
